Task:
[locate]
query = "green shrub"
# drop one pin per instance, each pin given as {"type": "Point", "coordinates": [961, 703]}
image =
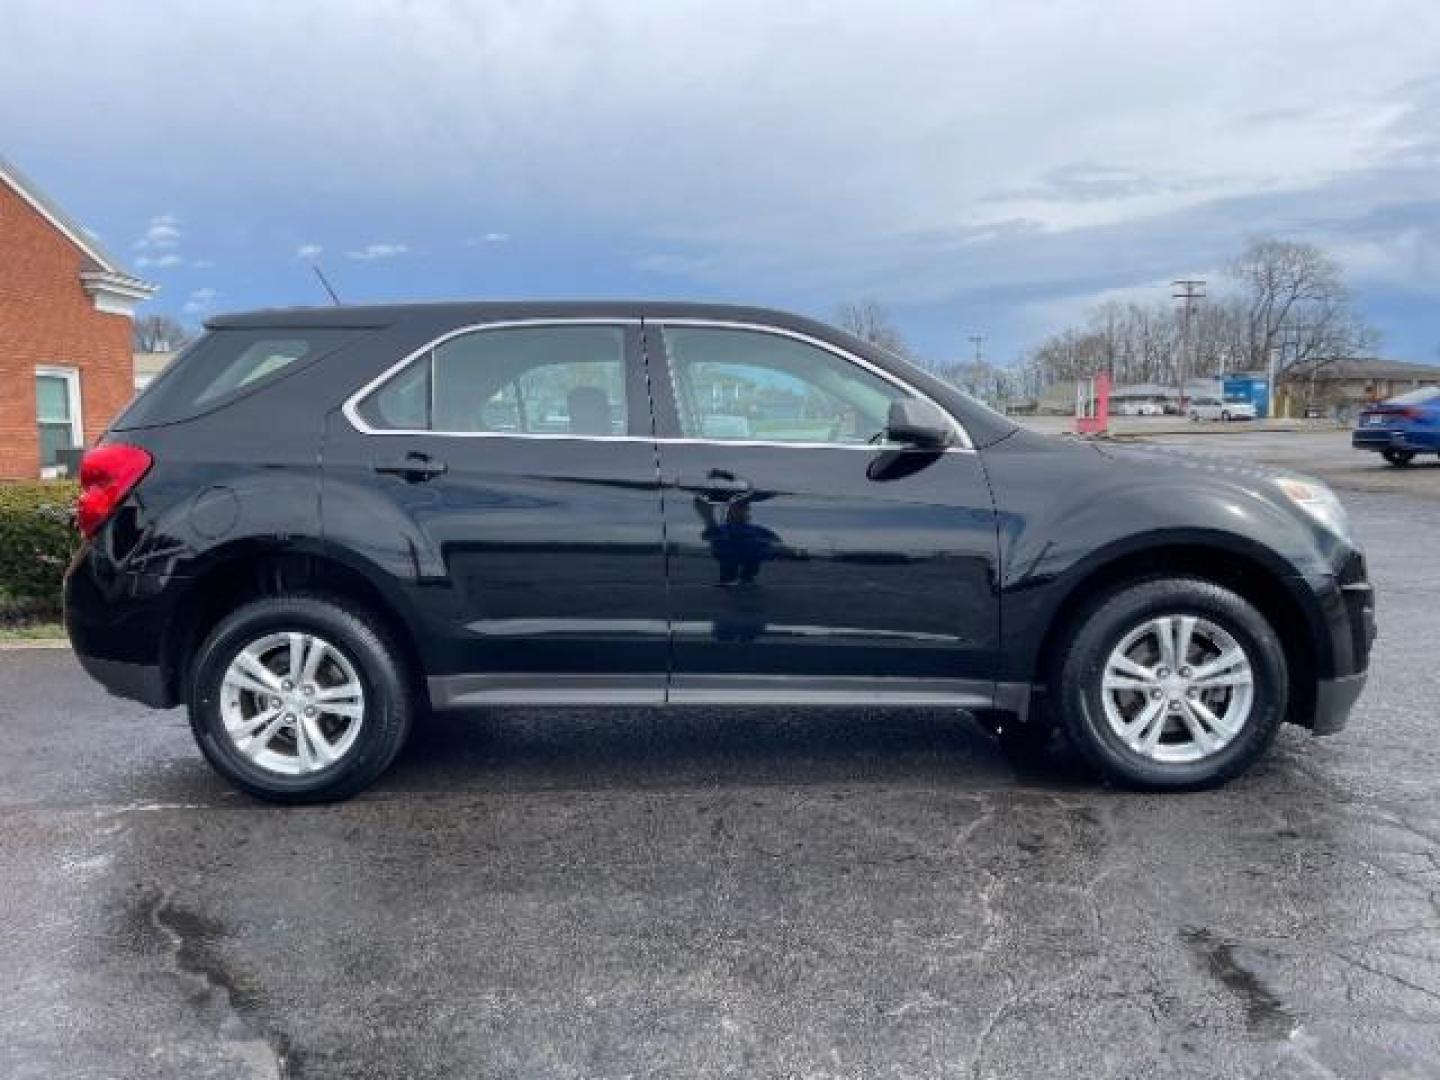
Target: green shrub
{"type": "Point", "coordinates": [36, 542]}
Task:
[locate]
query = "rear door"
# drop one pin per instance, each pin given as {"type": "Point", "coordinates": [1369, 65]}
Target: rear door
{"type": "Point", "coordinates": [807, 560]}
{"type": "Point", "coordinates": [504, 480]}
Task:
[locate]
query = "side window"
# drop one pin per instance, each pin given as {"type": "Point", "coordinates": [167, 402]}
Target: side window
{"type": "Point", "coordinates": [549, 380]}
{"type": "Point", "coordinates": [751, 385]}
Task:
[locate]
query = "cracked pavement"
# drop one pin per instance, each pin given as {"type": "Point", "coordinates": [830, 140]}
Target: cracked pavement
{"type": "Point", "coordinates": [752, 893]}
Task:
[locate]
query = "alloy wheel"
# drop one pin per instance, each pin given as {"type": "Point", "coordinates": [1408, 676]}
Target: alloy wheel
{"type": "Point", "coordinates": [1177, 688]}
{"type": "Point", "coordinates": [292, 703]}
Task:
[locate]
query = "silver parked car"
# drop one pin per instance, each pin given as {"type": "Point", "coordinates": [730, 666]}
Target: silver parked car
{"type": "Point", "coordinates": [1212, 408]}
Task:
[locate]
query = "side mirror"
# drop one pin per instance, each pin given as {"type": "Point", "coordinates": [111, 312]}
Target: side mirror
{"type": "Point", "coordinates": [918, 424]}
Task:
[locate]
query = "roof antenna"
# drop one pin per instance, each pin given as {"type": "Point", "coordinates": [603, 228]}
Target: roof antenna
{"type": "Point", "coordinates": [324, 281]}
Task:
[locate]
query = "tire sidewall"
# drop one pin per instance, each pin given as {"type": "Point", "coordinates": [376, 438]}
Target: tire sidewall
{"type": "Point", "coordinates": [1109, 621]}
{"type": "Point", "coordinates": [386, 711]}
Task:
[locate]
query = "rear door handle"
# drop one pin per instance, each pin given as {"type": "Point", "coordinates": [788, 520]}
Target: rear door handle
{"type": "Point", "coordinates": [414, 467]}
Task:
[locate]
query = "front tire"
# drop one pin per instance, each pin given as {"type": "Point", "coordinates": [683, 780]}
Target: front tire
{"type": "Point", "coordinates": [300, 699]}
{"type": "Point", "coordinates": [1171, 684]}
{"type": "Point", "coordinates": [1398, 458]}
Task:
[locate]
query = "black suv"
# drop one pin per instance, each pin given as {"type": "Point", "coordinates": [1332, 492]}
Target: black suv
{"type": "Point", "coordinates": [318, 522]}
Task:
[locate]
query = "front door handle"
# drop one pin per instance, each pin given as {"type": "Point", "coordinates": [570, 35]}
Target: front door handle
{"type": "Point", "coordinates": [415, 467]}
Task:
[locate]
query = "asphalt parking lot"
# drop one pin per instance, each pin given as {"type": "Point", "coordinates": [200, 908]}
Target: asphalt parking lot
{"type": "Point", "coordinates": [750, 894]}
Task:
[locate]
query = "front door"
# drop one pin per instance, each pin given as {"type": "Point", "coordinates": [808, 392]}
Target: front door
{"type": "Point", "coordinates": [506, 478]}
{"type": "Point", "coordinates": [808, 560]}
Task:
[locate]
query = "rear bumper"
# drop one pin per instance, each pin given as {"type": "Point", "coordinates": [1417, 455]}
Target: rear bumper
{"type": "Point", "coordinates": [118, 623]}
{"type": "Point", "coordinates": [144, 683]}
{"type": "Point", "coordinates": [1390, 438]}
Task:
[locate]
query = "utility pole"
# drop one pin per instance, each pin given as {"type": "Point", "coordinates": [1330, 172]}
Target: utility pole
{"type": "Point", "coordinates": [1187, 291]}
{"type": "Point", "coordinates": [978, 340]}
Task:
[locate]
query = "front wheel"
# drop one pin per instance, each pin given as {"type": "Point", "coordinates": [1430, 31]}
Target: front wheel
{"type": "Point", "coordinates": [299, 699]}
{"type": "Point", "coordinates": [1398, 458]}
{"type": "Point", "coordinates": [1171, 684]}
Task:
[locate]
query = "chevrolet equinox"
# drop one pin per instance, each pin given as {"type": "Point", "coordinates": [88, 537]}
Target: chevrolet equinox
{"type": "Point", "coordinates": [317, 524]}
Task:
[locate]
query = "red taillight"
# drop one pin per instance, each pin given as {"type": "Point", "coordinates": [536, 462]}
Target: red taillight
{"type": "Point", "coordinates": [107, 474]}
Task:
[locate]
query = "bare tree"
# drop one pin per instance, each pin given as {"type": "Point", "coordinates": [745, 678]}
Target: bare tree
{"type": "Point", "coordinates": [158, 333]}
{"type": "Point", "coordinates": [1298, 311]}
{"type": "Point", "coordinates": [868, 320]}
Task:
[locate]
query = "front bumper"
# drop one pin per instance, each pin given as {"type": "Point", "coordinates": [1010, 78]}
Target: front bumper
{"type": "Point", "coordinates": [1334, 698]}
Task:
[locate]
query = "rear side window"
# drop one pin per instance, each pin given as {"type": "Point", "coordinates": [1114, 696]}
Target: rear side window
{"type": "Point", "coordinates": [1425, 395]}
{"type": "Point", "coordinates": [224, 365]}
{"type": "Point", "coordinates": [537, 380]}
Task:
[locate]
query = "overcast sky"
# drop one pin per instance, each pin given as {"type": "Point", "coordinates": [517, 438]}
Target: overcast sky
{"type": "Point", "coordinates": [988, 167]}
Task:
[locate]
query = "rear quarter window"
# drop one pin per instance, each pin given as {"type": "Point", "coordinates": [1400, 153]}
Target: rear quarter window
{"type": "Point", "coordinates": [225, 365]}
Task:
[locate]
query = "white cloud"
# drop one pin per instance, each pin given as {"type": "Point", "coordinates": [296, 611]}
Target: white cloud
{"type": "Point", "coordinates": [377, 251]}
{"type": "Point", "coordinates": [201, 301]}
{"type": "Point", "coordinates": [309, 252]}
{"type": "Point", "coordinates": [203, 264]}
{"type": "Point", "coordinates": [159, 262]}
{"type": "Point", "coordinates": [163, 233]}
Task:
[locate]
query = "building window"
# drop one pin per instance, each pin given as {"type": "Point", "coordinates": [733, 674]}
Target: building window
{"type": "Point", "coordinates": [57, 414]}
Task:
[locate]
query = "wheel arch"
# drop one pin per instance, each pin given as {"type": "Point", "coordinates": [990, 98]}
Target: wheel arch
{"type": "Point", "coordinates": [1248, 569]}
{"type": "Point", "coordinates": [250, 569]}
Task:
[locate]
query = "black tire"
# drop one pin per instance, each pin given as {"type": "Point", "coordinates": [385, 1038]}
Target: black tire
{"type": "Point", "coordinates": [1398, 458]}
{"type": "Point", "coordinates": [360, 637]}
{"type": "Point", "coordinates": [1077, 672]}
{"type": "Point", "coordinates": [1225, 415]}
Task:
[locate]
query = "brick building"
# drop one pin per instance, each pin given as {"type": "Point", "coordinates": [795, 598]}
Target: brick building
{"type": "Point", "coordinates": [65, 327]}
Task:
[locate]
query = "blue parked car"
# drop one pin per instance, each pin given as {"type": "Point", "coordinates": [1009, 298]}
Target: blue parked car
{"type": "Point", "coordinates": [1401, 427]}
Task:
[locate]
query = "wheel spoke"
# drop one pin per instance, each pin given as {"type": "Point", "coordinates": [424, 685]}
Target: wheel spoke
{"type": "Point", "coordinates": [347, 691]}
{"type": "Point", "coordinates": [1228, 659]}
{"type": "Point", "coordinates": [1184, 631]}
{"type": "Point", "coordinates": [1164, 629]}
{"type": "Point", "coordinates": [1220, 682]}
{"type": "Point", "coordinates": [1121, 682]}
{"type": "Point", "coordinates": [1125, 665]}
{"type": "Point", "coordinates": [350, 710]}
{"type": "Point", "coordinates": [296, 662]}
{"type": "Point", "coordinates": [1195, 724]}
{"type": "Point", "coordinates": [314, 749]}
{"type": "Point", "coordinates": [252, 666]}
{"type": "Point", "coordinates": [1152, 716]}
{"type": "Point", "coordinates": [258, 742]}
{"type": "Point", "coordinates": [1207, 715]}
{"type": "Point", "coordinates": [241, 681]}
{"type": "Point", "coordinates": [313, 659]}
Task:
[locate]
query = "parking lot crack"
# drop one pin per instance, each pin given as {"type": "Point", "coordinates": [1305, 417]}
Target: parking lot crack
{"type": "Point", "coordinates": [188, 936]}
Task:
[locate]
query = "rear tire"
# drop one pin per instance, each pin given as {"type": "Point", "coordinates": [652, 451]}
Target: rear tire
{"type": "Point", "coordinates": [1398, 458]}
{"type": "Point", "coordinates": [1101, 721]}
{"type": "Point", "coordinates": [258, 731]}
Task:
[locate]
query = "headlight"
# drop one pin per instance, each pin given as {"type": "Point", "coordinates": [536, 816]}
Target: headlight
{"type": "Point", "coordinates": [1319, 502]}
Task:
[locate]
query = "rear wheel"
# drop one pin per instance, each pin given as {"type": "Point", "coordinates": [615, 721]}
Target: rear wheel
{"type": "Point", "coordinates": [1171, 684]}
{"type": "Point", "coordinates": [299, 699]}
{"type": "Point", "coordinates": [1398, 458]}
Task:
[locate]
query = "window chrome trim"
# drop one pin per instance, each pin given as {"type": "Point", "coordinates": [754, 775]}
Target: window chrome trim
{"type": "Point", "coordinates": [836, 350]}
{"type": "Point", "coordinates": [350, 408]}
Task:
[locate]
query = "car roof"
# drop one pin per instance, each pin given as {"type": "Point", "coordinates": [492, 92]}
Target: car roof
{"type": "Point", "coordinates": [478, 311]}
